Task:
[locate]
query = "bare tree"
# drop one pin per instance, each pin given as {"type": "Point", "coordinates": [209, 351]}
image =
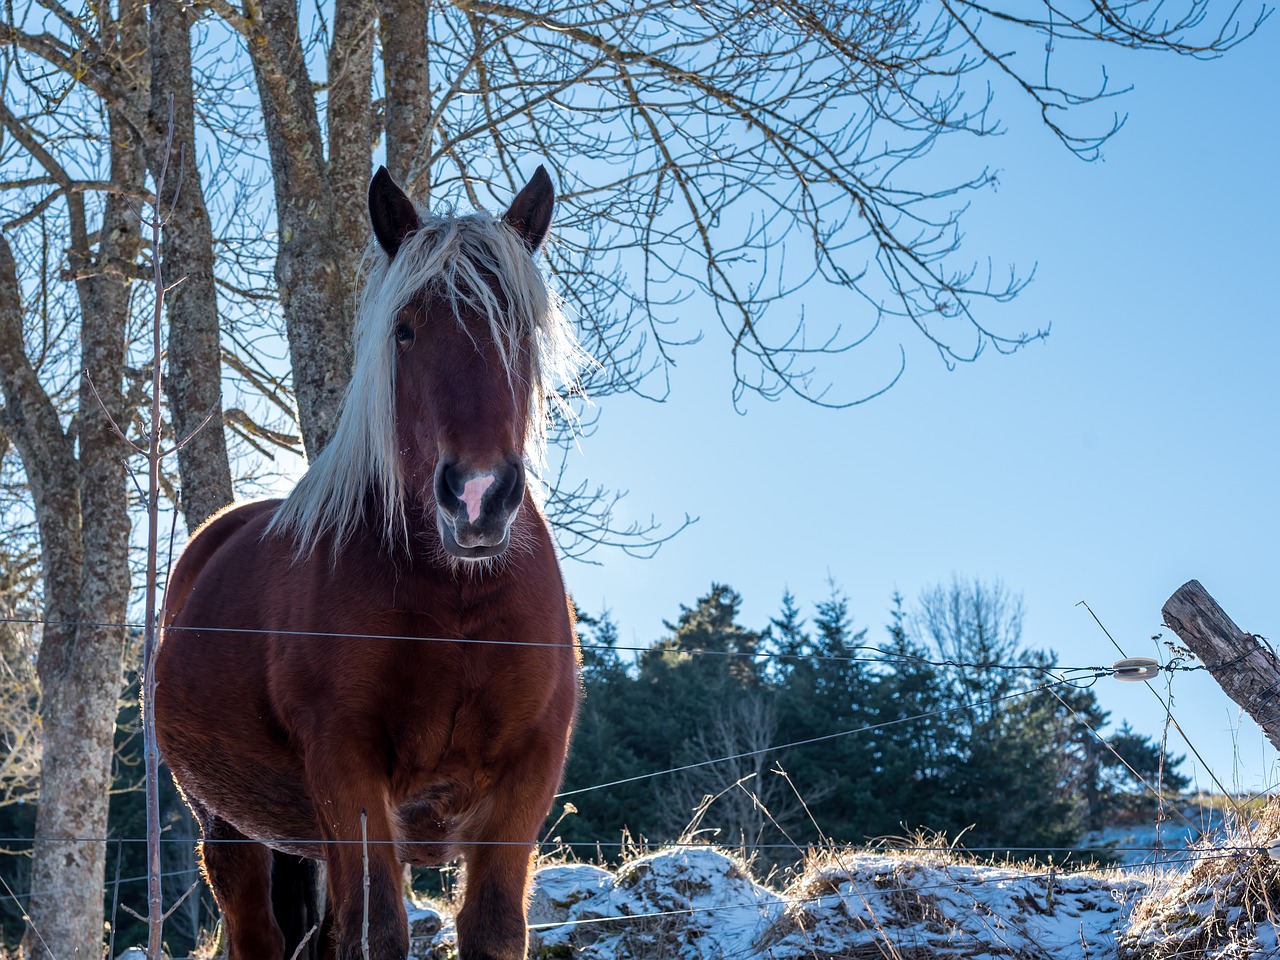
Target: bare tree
{"type": "Point", "coordinates": [133, 78]}
{"type": "Point", "coordinates": [62, 428]}
{"type": "Point", "coordinates": [717, 160]}
{"type": "Point", "coordinates": [65, 408]}
{"type": "Point", "coordinates": [741, 800]}
{"type": "Point", "coordinates": [20, 608]}
{"type": "Point", "coordinates": [976, 627]}
{"type": "Point", "coordinates": [194, 378]}
{"type": "Point", "coordinates": [319, 201]}
{"type": "Point", "coordinates": [19, 715]}
{"type": "Point", "coordinates": [725, 158]}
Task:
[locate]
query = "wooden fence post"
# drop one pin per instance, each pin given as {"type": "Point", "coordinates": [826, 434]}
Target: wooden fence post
{"type": "Point", "coordinates": [1244, 664]}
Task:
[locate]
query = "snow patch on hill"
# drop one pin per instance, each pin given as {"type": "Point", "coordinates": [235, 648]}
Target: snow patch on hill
{"type": "Point", "coordinates": [1224, 906]}
{"type": "Point", "coordinates": [935, 907]}
{"type": "Point", "coordinates": [701, 903]}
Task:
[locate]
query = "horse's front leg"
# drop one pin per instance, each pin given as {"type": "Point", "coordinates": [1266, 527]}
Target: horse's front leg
{"type": "Point", "coordinates": [492, 925]}
{"type": "Point", "coordinates": [360, 857]}
{"type": "Point", "coordinates": [499, 852]}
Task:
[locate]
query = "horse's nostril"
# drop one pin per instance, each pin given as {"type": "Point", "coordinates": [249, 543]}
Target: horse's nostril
{"type": "Point", "coordinates": [453, 479]}
{"type": "Point", "coordinates": [451, 482]}
{"type": "Point", "coordinates": [511, 489]}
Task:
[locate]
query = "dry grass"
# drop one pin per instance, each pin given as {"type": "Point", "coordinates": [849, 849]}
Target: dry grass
{"type": "Point", "coordinates": [1226, 907]}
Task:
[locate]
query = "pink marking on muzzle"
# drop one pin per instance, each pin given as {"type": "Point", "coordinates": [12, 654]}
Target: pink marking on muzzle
{"type": "Point", "coordinates": [473, 492]}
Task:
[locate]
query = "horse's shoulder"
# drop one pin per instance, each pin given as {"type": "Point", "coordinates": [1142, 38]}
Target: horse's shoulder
{"type": "Point", "coordinates": [208, 539]}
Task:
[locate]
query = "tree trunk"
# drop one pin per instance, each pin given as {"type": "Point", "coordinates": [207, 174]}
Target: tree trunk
{"type": "Point", "coordinates": [81, 510]}
{"type": "Point", "coordinates": [314, 296]}
{"type": "Point", "coordinates": [47, 454]}
{"type": "Point", "coordinates": [82, 502]}
{"type": "Point", "coordinates": [350, 123]}
{"type": "Point", "coordinates": [193, 380]}
{"type": "Point", "coordinates": [404, 58]}
{"type": "Point", "coordinates": [80, 668]}
{"type": "Point", "coordinates": [1244, 664]}
{"type": "Point", "coordinates": [48, 458]}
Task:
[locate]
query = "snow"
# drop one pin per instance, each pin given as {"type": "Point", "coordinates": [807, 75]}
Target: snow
{"type": "Point", "coordinates": [428, 928]}
{"type": "Point", "coordinates": [939, 908]}
{"type": "Point", "coordinates": [1225, 907]}
{"type": "Point", "coordinates": [1220, 902]}
{"type": "Point", "coordinates": [694, 903]}
{"type": "Point", "coordinates": [702, 904]}
{"type": "Point", "coordinates": [1165, 842]}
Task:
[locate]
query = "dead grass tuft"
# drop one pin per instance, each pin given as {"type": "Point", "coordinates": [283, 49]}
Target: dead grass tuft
{"type": "Point", "coordinates": [1226, 907]}
{"type": "Point", "coordinates": [878, 899]}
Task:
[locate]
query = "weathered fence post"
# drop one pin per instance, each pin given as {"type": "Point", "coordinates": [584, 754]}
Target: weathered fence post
{"type": "Point", "coordinates": [1244, 664]}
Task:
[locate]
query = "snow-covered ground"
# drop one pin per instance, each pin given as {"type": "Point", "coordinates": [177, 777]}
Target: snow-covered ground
{"type": "Point", "coordinates": [700, 903]}
{"type": "Point", "coordinates": [1215, 899]}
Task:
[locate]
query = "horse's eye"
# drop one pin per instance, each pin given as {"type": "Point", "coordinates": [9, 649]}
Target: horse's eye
{"type": "Point", "coordinates": [404, 333]}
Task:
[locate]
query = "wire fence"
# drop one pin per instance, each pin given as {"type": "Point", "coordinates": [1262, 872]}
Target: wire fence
{"type": "Point", "coordinates": [1082, 678]}
{"type": "Point", "coordinates": [1058, 675]}
{"type": "Point", "coordinates": [770, 904]}
{"type": "Point", "coordinates": [1171, 856]}
{"type": "Point", "coordinates": [1174, 665]}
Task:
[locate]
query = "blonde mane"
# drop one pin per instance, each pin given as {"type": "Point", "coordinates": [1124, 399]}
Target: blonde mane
{"type": "Point", "coordinates": [451, 256]}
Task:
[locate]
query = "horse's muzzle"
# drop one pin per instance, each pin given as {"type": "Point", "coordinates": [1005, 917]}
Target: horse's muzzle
{"type": "Point", "coordinates": [476, 508]}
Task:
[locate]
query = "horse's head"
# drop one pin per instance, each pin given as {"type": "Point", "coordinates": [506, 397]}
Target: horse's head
{"type": "Point", "coordinates": [465, 362]}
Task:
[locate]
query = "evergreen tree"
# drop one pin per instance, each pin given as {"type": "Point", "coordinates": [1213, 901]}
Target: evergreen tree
{"type": "Point", "coordinates": [598, 637]}
{"type": "Point", "coordinates": [708, 699]}
{"type": "Point", "coordinates": [787, 640]}
{"type": "Point", "coordinates": [826, 692]}
{"type": "Point", "coordinates": [606, 744]}
{"type": "Point", "coordinates": [909, 749]}
{"type": "Point", "coordinates": [1131, 768]}
{"type": "Point", "coordinates": [696, 695]}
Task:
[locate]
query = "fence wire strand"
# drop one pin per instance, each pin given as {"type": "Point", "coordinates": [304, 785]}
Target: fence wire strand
{"type": "Point", "coordinates": [1174, 665]}
{"type": "Point", "coordinates": [560, 844]}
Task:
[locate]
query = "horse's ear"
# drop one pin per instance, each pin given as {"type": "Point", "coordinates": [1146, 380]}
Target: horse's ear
{"type": "Point", "coordinates": [391, 211]}
{"type": "Point", "coordinates": [530, 211]}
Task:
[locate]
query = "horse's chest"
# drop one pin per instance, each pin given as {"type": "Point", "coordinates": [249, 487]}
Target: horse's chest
{"type": "Point", "coordinates": [463, 713]}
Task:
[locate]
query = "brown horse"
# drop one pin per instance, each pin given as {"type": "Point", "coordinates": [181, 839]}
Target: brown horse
{"type": "Point", "coordinates": [304, 698]}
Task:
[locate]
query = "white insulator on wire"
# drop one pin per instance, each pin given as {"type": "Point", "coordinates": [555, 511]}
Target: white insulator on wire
{"type": "Point", "coordinates": [1134, 669]}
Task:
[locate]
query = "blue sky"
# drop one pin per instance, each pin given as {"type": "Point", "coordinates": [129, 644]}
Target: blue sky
{"type": "Point", "coordinates": [1134, 449]}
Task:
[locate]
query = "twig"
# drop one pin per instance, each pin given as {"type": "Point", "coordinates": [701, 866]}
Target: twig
{"type": "Point", "coordinates": [26, 917]}
{"type": "Point", "coordinates": [151, 755]}
{"type": "Point", "coordinates": [364, 846]}
{"type": "Point", "coordinates": [200, 426]}
{"type": "Point", "coordinates": [173, 529]}
{"type": "Point", "coordinates": [303, 942]}
{"type": "Point", "coordinates": [110, 419]}
{"type": "Point", "coordinates": [115, 903]}
{"type": "Point", "coordinates": [177, 903]}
